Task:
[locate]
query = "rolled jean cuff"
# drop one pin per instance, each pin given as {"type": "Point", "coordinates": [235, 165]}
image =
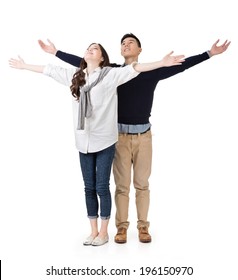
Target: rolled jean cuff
{"type": "Point", "coordinates": [93, 217]}
{"type": "Point", "coordinates": [105, 218]}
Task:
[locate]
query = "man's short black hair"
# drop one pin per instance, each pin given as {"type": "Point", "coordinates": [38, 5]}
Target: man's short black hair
{"type": "Point", "coordinates": [130, 35]}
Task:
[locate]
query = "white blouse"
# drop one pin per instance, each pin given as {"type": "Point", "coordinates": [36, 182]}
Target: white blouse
{"type": "Point", "coordinates": [101, 129]}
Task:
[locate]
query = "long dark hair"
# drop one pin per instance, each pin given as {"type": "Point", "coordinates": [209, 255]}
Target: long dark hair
{"type": "Point", "coordinates": [79, 76]}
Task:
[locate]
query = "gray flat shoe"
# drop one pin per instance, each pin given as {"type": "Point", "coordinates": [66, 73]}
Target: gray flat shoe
{"type": "Point", "coordinates": [88, 240]}
{"type": "Point", "coordinates": [97, 241]}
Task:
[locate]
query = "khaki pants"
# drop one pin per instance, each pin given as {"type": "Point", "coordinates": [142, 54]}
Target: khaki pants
{"type": "Point", "coordinates": [133, 153]}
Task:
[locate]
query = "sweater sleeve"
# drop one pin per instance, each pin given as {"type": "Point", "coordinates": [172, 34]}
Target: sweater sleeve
{"type": "Point", "coordinates": [69, 58]}
{"type": "Point", "coordinates": [166, 72]}
{"type": "Point", "coordinates": [75, 60]}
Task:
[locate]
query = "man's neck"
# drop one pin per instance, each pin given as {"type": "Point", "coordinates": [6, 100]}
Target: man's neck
{"type": "Point", "coordinates": [129, 60]}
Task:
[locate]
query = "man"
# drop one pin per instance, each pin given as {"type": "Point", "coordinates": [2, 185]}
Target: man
{"type": "Point", "coordinates": [134, 146]}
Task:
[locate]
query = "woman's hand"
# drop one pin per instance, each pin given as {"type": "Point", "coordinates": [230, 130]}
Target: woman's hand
{"type": "Point", "coordinates": [170, 60]}
{"type": "Point", "coordinates": [17, 63]}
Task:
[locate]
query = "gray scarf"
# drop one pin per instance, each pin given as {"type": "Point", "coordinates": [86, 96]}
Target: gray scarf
{"type": "Point", "coordinates": [85, 105]}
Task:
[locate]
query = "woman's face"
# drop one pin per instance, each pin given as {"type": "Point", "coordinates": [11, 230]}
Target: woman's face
{"type": "Point", "coordinates": [93, 53]}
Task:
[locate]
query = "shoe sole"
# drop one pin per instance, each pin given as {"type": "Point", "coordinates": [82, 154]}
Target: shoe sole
{"type": "Point", "coordinates": [120, 242]}
{"type": "Point", "coordinates": [97, 245]}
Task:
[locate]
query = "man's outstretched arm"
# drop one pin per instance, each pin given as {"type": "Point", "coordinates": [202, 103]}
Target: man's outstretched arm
{"type": "Point", "coordinates": [66, 57]}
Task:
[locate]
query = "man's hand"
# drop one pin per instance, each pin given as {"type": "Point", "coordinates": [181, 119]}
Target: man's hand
{"type": "Point", "coordinates": [48, 48]}
{"type": "Point", "coordinates": [219, 49]}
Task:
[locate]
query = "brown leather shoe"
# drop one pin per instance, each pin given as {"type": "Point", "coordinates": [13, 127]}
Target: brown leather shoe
{"type": "Point", "coordinates": [144, 235]}
{"type": "Point", "coordinates": [121, 236]}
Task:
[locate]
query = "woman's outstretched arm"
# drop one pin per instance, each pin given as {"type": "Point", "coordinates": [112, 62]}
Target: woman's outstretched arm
{"type": "Point", "coordinates": [168, 60]}
{"type": "Point", "coordinates": [20, 64]}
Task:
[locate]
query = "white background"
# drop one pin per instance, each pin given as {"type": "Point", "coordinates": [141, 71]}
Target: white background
{"type": "Point", "coordinates": [193, 211]}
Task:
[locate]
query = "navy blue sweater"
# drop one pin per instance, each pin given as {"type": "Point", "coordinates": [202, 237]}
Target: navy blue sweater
{"type": "Point", "coordinates": [135, 98]}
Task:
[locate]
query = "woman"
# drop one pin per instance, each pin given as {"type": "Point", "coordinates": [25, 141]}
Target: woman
{"type": "Point", "coordinates": [94, 89]}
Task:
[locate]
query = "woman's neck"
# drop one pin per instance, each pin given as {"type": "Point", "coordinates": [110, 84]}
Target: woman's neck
{"type": "Point", "coordinates": [91, 67]}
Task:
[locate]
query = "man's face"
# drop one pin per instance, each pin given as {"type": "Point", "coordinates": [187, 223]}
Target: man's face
{"type": "Point", "coordinates": [129, 48]}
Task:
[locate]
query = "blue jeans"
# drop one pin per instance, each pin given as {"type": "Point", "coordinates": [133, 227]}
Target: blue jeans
{"type": "Point", "coordinates": [96, 171]}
